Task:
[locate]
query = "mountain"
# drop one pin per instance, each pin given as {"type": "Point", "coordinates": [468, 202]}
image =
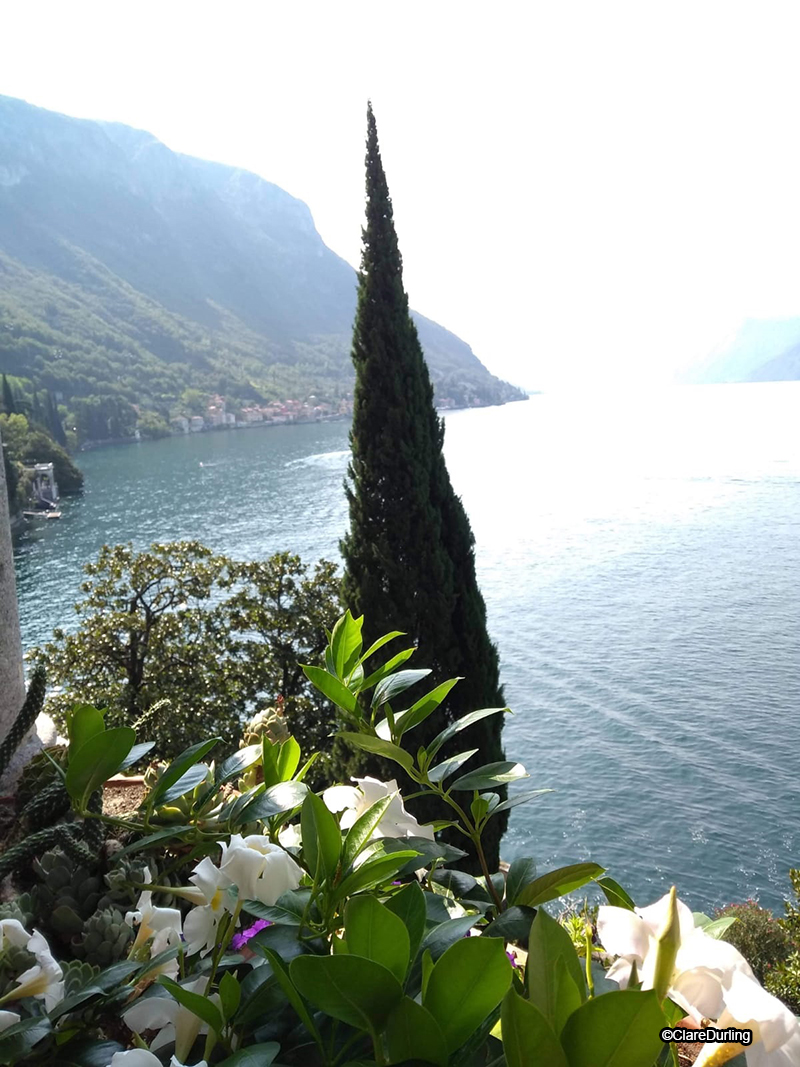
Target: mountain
{"type": "Point", "coordinates": [130, 273]}
{"type": "Point", "coordinates": [758, 350]}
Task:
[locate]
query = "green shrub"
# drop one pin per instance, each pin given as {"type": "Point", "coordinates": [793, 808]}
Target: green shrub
{"type": "Point", "coordinates": [758, 935]}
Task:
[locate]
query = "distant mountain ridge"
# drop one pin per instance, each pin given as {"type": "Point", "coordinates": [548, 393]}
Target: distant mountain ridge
{"type": "Point", "coordinates": [130, 270]}
{"type": "Point", "coordinates": [759, 350]}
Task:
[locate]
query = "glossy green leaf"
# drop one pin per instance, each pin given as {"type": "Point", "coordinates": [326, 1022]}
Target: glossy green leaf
{"type": "Point", "coordinates": [569, 996]}
{"type": "Point", "coordinates": [230, 994]}
{"type": "Point", "coordinates": [520, 798]}
{"type": "Point", "coordinates": [197, 1004]}
{"type": "Point", "coordinates": [372, 931]}
{"type": "Point", "coordinates": [279, 798]}
{"type": "Point", "coordinates": [292, 994]}
{"type": "Point", "coordinates": [374, 872]}
{"type": "Point", "coordinates": [253, 1056]}
{"type": "Point", "coordinates": [356, 991]}
{"type": "Point", "coordinates": [528, 1038]}
{"type": "Point", "coordinates": [521, 872]}
{"type": "Point", "coordinates": [322, 838]}
{"type": "Point", "coordinates": [381, 641]}
{"type": "Point", "coordinates": [620, 1029]}
{"type": "Point", "coordinates": [548, 943]}
{"type": "Point", "coordinates": [346, 643]}
{"type": "Point", "coordinates": [557, 883]}
{"type": "Point", "coordinates": [83, 722]}
{"type": "Point", "coordinates": [450, 766]}
{"type": "Point", "coordinates": [179, 766]}
{"type": "Point", "coordinates": [135, 754]}
{"type": "Point", "coordinates": [361, 831]}
{"type": "Point", "coordinates": [408, 904]}
{"type": "Point", "coordinates": [489, 775]}
{"type": "Point", "coordinates": [425, 706]}
{"type": "Point", "coordinates": [513, 924]}
{"type": "Point", "coordinates": [394, 684]}
{"type": "Point", "coordinates": [237, 763]}
{"type": "Point", "coordinates": [465, 985]}
{"type": "Point", "coordinates": [459, 725]}
{"type": "Point", "coordinates": [288, 758]}
{"type": "Point", "coordinates": [426, 851]}
{"type": "Point", "coordinates": [413, 1034]}
{"type": "Point", "coordinates": [615, 894]}
{"type": "Point", "coordinates": [445, 934]}
{"type": "Point", "coordinates": [716, 927]}
{"type": "Point", "coordinates": [390, 665]}
{"type": "Point", "coordinates": [369, 743]}
{"type": "Point", "coordinates": [334, 690]}
{"type": "Point", "coordinates": [96, 761]}
{"type": "Point", "coordinates": [196, 774]}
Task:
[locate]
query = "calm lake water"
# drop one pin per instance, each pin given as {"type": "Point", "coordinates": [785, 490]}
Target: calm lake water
{"type": "Point", "coordinates": [640, 559]}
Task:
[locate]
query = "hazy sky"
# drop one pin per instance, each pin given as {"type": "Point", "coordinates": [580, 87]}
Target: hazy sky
{"type": "Point", "coordinates": [581, 189]}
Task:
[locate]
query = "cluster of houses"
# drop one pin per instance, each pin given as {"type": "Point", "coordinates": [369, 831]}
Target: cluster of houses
{"type": "Point", "coordinates": [216, 416]}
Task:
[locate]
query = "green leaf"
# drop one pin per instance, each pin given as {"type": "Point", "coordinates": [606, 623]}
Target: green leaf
{"type": "Point", "coordinates": [520, 798]}
{"type": "Point", "coordinates": [521, 872]}
{"type": "Point", "coordinates": [288, 758]}
{"type": "Point", "coordinates": [168, 832]}
{"type": "Point", "coordinates": [619, 1029]}
{"type": "Point", "coordinates": [615, 894]}
{"type": "Point", "coordinates": [459, 725]}
{"type": "Point", "coordinates": [395, 684]}
{"type": "Point", "coordinates": [196, 774]}
{"type": "Point", "coordinates": [83, 722]}
{"type": "Point", "coordinates": [374, 872]}
{"type": "Point", "coordinates": [356, 991]}
{"type": "Point", "coordinates": [233, 766]}
{"type": "Point", "coordinates": [716, 927]}
{"type": "Point", "coordinates": [179, 767]}
{"type": "Point", "coordinates": [376, 645]}
{"type": "Point", "coordinates": [361, 830]}
{"type": "Point", "coordinates": [548, 943]}
{"type": "Point", "coordinates": [513, 924]}
{"type": "Point", "coordinates": [426, 851]}
{"type": "Point", "coordinates": [489, 775]}
{"type": "Point", "coordinates": [412, 1033]}
{"type": "Point", "coordinates": [230, 993]}
{"type": "Point", "coordinates": [334, 690]}
{"type": "Point", "coordinates": [557, 883]}
{"type": "Point", "coordinates": [427, 970]}
{"type": "Point", "coordinates": [528, 1038]}
{"type": "Point", "coordinates": [372, 931]}
{"type": "Point", "coordinates": [391, 664]}
{"type": "Point", "coordinates": [369, 743]}
{"type": "Point", "coordinates": [445, 934]}
{"type": "Point", "coordinates": [253, 1056]}
{"type": "Point", "coordinates": [346, 644]}
{"type": "Point", "coordinates": [281, 972]}
{"type": "Point", "coordinates": [198, 1005]}
{"type": "Point", "coordinates": [425, 706]}
{"type": "Point", "coordinates": [96, 761]}
{"type": "Point", "coordinates": [465, 985]}
{"type": "Point", "coordinates": [136, 754]}
{"type": "Point", "coordinates": [569, 996]}
{"type": "Point", "coordinates": [450, 766]}
{"type": "Point", "coordinates": [322, 838]}
{"type": "Point", "coordinates": [408, 904]}
{"type": "Point", "coordinates": [279, 798]}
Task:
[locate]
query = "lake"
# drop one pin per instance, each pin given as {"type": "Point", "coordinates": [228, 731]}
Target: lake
{"type": "Point", "coordinates": [640, 558]}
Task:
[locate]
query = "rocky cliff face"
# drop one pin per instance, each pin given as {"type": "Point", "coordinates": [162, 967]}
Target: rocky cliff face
{"type": "Point", "coordinates": [187, 260]}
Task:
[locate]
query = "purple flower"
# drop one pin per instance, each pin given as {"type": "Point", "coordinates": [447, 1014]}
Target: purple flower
{"type": "Point", "coordinates": [238, 941]}
{"type": "Point", "coordinates": [512, 958]}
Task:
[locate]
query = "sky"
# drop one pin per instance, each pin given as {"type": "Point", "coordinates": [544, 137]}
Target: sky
{"type": "Point", "coordinates": [585, 192]}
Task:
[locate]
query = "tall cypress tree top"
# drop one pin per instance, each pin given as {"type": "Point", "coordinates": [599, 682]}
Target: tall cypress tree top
{"type": "Point", "coordinates": [8, 397]}
{"type": "Point", "coordinates": [409, 555]}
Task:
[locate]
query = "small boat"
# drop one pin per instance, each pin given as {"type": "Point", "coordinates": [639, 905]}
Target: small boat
{"type": "Point", "coordinates": [41, 514]}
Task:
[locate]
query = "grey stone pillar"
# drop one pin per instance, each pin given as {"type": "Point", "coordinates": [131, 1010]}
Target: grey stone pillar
{"type": "Point", "coordinates": [12, 678]}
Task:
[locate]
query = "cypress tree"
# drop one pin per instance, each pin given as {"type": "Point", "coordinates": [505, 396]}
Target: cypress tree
{"type": "Point", "coordinates": [409, 553]}
{"type": "Point", "coordinates": [54, 423]}
{"type": "Point", "coordinates": [9, 405]}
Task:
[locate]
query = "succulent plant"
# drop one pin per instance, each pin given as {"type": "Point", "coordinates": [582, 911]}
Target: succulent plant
{"type": "Point", "coordinates": [26, 717]}
{"type": "Point", "coordinates": [77, 975]}
{"type": "Point", "coordinates": [12, 964]}
{"type": "Point", "coordinates": [39, 774]}
{"type": "Point", "coordinates": [268, 722]}
{"type": "Point", "coordinates": [104, 939]}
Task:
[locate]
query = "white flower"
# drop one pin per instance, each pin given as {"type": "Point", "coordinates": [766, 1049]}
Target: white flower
{"type": "Point", "coordinates": [260, 870]}
{"type": "Point", "coordinates": [776, 1032]}
{"type": "Point", "coordinates": [8, 1018]}
{"type": "Point", "coordinates": [13, 934]}
{"type": "Point", "coordinates": [290, 836]}
{"type": "Point", "coordinates": [135, 1057]}
{"type": "Point", "coordinates": [173, 1021]}
{"type": "Point", "coordinates": [44, 979]}
{"type": "Point", "coordinates": [354, 801]}
{"type": "Point", "coordinates": [163, 925]}
{"type": "Point", "coordinates": [211, 892]}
